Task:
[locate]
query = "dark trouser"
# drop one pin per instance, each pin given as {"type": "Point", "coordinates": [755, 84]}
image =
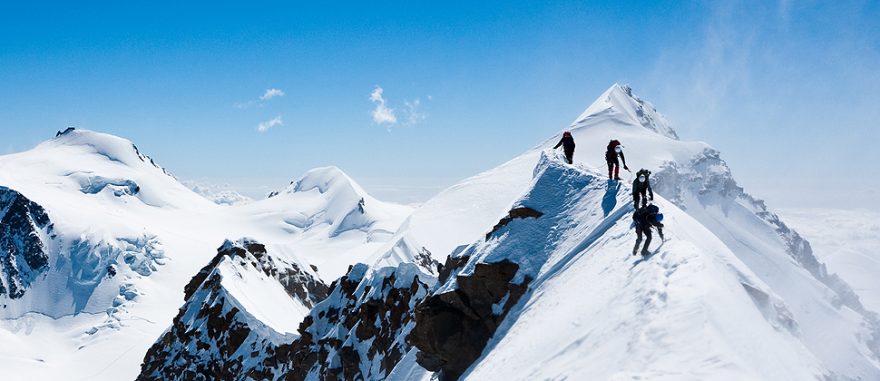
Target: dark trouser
{"type": "Point", "coordinates": [569, 156]}
{"type": "Point", "coordinates": [640, 195]}
{"type": "Point", "coordinates": [614, 168]}
{"type": "Point", "coordinates": [647, 231]}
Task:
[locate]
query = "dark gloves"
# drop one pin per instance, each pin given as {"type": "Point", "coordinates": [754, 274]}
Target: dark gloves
{"type": "Point", "coordinates": [626, 168]}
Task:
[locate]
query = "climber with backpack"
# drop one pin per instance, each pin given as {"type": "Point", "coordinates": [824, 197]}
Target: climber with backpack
{"type": "Point", "coordinates": [642, 188]}
{"type": "Point", "coordinates": [614, 149]}
{"type": "Point", "coordinates": [567, 143]}
{"type": "Point", "coordinates": [643, 220]}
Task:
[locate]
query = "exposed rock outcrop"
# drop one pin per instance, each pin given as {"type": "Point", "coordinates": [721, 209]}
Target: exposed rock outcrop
{"type": "Point", "coordinates": [215, 336]}
{"type": "Point", "coordinates": [358, 332]}
{"type": "Point", "coordinates": [521, 212]}
{"type": "Point", "coordinates": [453, 327]}
{"type": "Point", "coordinates": [25, 231]}
{"type": "Point", "coordinates": [481, 283]}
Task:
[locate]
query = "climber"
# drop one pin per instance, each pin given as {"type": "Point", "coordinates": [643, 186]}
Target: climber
{"type": "Point", "coordinates": [615, 149]}
{"type": "Point", "coordinates": [567, 143]}
{"type": "Point", "coordinates": [642, 188]}
{"type": "Point", "coordinates": [643, 219]}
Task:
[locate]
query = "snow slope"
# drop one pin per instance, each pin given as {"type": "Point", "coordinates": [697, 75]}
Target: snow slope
{"type": "Point", "coordinates": [128, 238]}
{"type": "Point", "coordinates": [692, 310]}
{"type": "Point", "coordinates": [833, 329]}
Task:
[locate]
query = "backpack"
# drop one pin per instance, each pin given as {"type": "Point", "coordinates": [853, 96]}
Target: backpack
{"type": "Point", "coordinates": [643, 215]}
{"type": "Point", "coordinates": [612, 144]}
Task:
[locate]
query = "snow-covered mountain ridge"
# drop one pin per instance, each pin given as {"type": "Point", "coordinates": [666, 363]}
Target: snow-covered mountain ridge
{"type": "Point", "coordinates": [537, 280]}
{"type": "Point", "coordinates": [548, 289]}
{"type": "Point", "coordinates": [690, 311]}
{"type": "Point", "coordinates": [825, 316]}
{"type": "Point", "coordinates": [120, 238]}
{"type": "Point", "coordinates": [356, 331]}
{"type": "Point", "coordinates": [244, 302]}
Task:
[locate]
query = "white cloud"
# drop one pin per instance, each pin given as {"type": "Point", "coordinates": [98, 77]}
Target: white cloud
{"type": "Point", "coordinates": [222, 194]}
{"type": "Point", "coordinates": [265, 126]}
{"type": "Point", "coordinates": [271, 93]}
{"type": "Point", "coordinates": [382, 114]}
{"type": "Point", "coordinates": [267, 95]}
{"type": "Point", "coordinates": [413, 115]}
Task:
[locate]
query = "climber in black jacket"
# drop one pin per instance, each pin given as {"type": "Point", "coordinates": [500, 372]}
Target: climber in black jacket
{"type": "Point", "coordinates": [643, 220]}
{"type": "Point", "coordinates": [567, 143]}
{"type": "Point", "coordinates": [642, 188]}
{"type": "Point", "coordinates": [614, 150]}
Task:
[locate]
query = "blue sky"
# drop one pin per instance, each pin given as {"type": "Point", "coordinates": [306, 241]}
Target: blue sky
{"type": "Point", "coordinates": [788, 91]}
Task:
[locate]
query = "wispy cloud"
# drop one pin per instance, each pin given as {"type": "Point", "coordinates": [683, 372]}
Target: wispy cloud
{"type": "Point", "coordinates": [271, 93]}
{"type": "Point", "coordinates": [262, 99]}
{"type": "Point", "coordinates": [410, 113]}
{"type": "Point", "coordinates": [382, 114]}
{"type": "Point", "coordinates": [222, 194]}
{"type": "Point", "coordinates": [413, 115]}
{"type": "Point", "coordinates": [718, 70]}
{"type": "Point", "coordinates": [265, 126]}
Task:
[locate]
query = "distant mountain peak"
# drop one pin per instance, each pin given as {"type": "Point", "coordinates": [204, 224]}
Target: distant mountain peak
{"type": "Point", "coordinates": [324, 179]}
{"type": "Point", "coordinates": [113, 147]}
{"type": "Point", "coordinates": [333, 198]}
{"type": "Point", "coordinates": [621, 103]}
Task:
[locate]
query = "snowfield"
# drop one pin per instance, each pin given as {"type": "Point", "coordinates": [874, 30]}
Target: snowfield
{"type": "Point", "coordinates": [129, 236]}
{"type": "Point", "coordinates": [538, 280]}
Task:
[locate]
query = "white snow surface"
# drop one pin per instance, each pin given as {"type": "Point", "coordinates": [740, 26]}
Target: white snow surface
{"type": "Point", "coordinates": [692, 311]}
{"type": "Point", "coordinates": [262, 297]}
{"type": "Point", "coordinates": [113, 207]}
